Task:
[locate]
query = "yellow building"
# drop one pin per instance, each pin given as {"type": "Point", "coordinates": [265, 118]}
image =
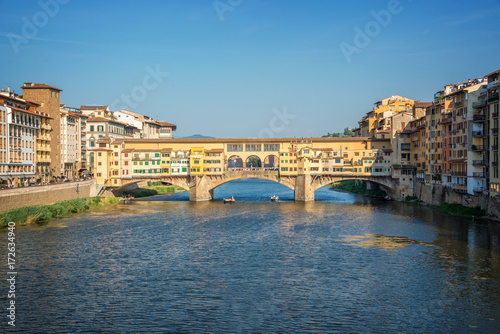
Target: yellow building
{"type": "Point", "coordinates": [377, 122]}
{"type": "Point", "coordinates": [196, 161]}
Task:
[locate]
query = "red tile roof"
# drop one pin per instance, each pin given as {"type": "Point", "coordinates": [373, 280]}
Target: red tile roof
{"type": "Point", "coordinates": [494, 72]}
{"type": "Point", "coordinates": [422, 104]}
{"type": "Point", "coordinates": [30, 112]}
{"type": "Point", "coordinates": [84, 107]}
{"type": "Point", "coordinates": [18, 99]}
{"type": "Point", "coordinates": [170, 125]}
{"type": "Point", "coordinates": [30, 85]}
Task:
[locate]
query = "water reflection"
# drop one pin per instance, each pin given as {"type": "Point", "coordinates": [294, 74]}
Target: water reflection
{"type": "Point", "coordinates": [343, 263]}
{"type": "Point", "coordinates": [389, 243]}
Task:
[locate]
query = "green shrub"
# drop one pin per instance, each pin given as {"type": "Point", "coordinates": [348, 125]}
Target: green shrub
{"type": "Point", "coordinates": [44, 213]}
{"type": "Point", "coordinates": [461, 210]}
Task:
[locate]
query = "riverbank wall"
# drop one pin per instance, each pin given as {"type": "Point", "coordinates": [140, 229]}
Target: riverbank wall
{"type": "Point", "coordinates": [25, 196]}
{"type": "Point", "coordinates": [437, 194]}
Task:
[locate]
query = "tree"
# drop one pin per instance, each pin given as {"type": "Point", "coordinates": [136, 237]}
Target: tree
{"type": "Point", "coordinates": [334, 135]}
{"type": "Point", "coordinates": [348, 133]}
{"type": "Point", "coordinates": [254, 161]}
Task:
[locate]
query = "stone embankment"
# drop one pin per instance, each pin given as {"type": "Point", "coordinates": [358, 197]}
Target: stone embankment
{"type": "Point", "coordinates": [26, 196]}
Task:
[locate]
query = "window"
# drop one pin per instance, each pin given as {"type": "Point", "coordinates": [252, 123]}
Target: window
{"type": "Point", "coordinates": [253, 147]}
{"type": "Point", "coordinates": [235, 147]}
{"type": "Point", "coordinates": [271, 147]}
{"type": "Point", "coordinates": [91, 128]}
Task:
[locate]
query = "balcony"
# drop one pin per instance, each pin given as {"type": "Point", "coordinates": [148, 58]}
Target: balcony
{"type": "Point", "coordinates": [479, 118]}
{"type": "Point", "coordinates": [479, 104]}
{"type": "Point", "coordinates": [494, 83]}
{"type": "Point", "coordinates": [479, 133]}
{"type": "Point", "coordinates": [478, 163]}
{"type": "Point", "coordinates": [462, 188]}
{"type": "Point", "coordinates": [455, 173]}
{"type": "Point", "coordinates": [478, 148]}
{"type": "Point", "coordinates": [458, 104]}
{"type": "Point", "coordinates": [479, 189]}
{"type": "Point", "coordinates": [480, 174]}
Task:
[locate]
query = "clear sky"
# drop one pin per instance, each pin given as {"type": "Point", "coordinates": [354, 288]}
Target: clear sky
{"type": "Point", "coordinates": [247, 68]}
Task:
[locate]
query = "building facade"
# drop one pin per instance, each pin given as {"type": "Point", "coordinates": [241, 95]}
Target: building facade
{"type": "Point", "coordinates": [48, 98]}
{"type": "Point", "coordinates": [19, 123]}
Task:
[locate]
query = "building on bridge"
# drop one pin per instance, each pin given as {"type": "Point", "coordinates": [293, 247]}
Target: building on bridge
{"type": "Point", "coordinates": [297, 163]}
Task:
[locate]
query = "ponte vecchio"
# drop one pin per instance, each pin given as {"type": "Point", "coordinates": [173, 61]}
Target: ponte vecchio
{"type": "Point", "coordinates": [201, 165]}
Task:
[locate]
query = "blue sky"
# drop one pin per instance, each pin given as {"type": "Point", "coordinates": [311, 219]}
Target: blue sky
{"type": "Point", "coordinates": [242, 68]}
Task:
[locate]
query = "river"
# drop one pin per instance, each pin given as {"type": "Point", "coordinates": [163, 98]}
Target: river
{"type": "Point", "coordinates": [341, 264]}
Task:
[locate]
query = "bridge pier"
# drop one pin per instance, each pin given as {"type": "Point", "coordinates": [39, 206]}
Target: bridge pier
{"type": "Point", "coordinates": [304, 190]}
{"type": "Point", "coordinates": [199, 189]}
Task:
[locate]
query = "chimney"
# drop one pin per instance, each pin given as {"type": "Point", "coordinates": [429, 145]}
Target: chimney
{"type": "Point", "coordinates": [8, 89]}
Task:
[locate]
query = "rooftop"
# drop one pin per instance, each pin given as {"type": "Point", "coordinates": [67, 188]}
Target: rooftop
{"type": "Point", "coordinates": [31, 85]}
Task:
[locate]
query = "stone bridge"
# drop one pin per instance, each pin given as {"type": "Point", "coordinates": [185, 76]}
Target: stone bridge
{"type": "Point", "coordinates": [201, 187]}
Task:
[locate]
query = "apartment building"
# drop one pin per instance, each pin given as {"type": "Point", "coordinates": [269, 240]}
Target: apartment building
{"type": "Point", "coordinates": [95, 111]}
{"type": "Point", "coordinates": [149, 128]}
{"type": "Point", "coordinates": [377, 122]}
{"type": "Point", "coordinates": [19, 122]}
{"type": "Point", "coordinates": [100, 127]}
{"type": "Point", "coordinates": [71, 139]}
{"type": "Point", "coordinates": [48, 98]}
{"type": "Point", "coordinates": [488, 106]}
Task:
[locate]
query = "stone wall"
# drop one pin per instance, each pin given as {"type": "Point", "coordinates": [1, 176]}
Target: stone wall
{"type": "Point", "coordinates": [436, 194]}
{"type": "Point", "coordinates": [16, 198]}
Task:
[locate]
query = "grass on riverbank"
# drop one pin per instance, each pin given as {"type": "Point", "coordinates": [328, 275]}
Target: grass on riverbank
{"type": "Point", "coordinates": [151, 191]}
{"type": "Point", "coordinates": [360, 188]}
{"type": "Point", "coordinates": [44, 213]}
{"type": "Point", "coordinates": [459, 209]}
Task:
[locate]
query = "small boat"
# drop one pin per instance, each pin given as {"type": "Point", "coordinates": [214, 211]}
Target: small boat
{"type": "Point", "coordinates": [229, 200]}
{"type": "Point", "coordinates": [274, 198]}
{"type": "Point", "coordinates": [127, 199]}
{"type": "Point", "coordinates": [388, 198]}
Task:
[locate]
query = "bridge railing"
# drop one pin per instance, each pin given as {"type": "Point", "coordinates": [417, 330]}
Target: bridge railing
{"type": "Point", "coordinates": [246, 169]}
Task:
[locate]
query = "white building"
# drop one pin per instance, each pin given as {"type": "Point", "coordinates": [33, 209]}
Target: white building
{"type": "Point", "coordinates": [19, 122]}
{"type": "Point", "coordinates": [70, 143]}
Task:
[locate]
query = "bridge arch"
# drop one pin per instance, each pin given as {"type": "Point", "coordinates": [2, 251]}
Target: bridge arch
{"type": "Point", "coordinates": [234, 162]}
{"type": "Point", "coordinates": [385, 182]}
{"type": "Point", "coordinates": [245, 175]}
{"type": "Point", "coordinates": [253, 161]}
{"type": "Point", "coordinates": [271, 162]}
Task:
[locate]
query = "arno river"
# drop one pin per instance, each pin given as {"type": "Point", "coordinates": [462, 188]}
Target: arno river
{"type": "Point", "coordinates": [341, 264]}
